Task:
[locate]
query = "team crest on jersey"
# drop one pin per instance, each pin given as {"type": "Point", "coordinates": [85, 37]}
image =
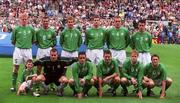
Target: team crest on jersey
{"type": "Point", "coordinates": [49, 36]}
{"type": "Point", "coordinates": [112, 66]}
{"type": "Point", "coordinates": [75, 35]}
{"type": "Point", "coordinates": [154, 73]}
{"type": "Point", "coordinates": [101, 34]}
{"type": "Point", "coordinates": [58, 66]}
{"type": "Point", "coordinates": [19, 32]}
{"type": "Point", "coordinates": [137, 38]}
{"type": "Point", "coordinates": [28, 32]}
{"type": "Point", "coordinates": [84, 69]}
{"type": "Point", "coordinates": [44, 37]}
{"type": "Point", "coordinates": [132, 69]}
{"type": "Point", "coordinates": [117, 34]}
{"type": "Point", "coordinates": [122, 34]}
{"type": "Point", "coordinates": [146, 39]}
{"type": "Point", "coordinates": [66, 36]}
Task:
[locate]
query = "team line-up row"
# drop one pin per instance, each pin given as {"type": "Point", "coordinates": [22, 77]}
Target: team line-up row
{"type": "Point", "coordinates": [117, 39]}
{"type": "Point", "coordinates": [108, 71]}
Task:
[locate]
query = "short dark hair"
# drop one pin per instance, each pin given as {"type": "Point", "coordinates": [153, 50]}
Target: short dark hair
{"type": "Point", "coordinates": [45, 17]}
{"type": "Point", "coordinates": [154, 55]}
{"type": "Point", "coordinates": [142, 21]}
{"type": "Point", "coordinates": [106, 51]}
{"type": "Point", "coordinates": [53, 50]}
{"type": "Point", "coordinates": [81, 53]}
{"type": "Point", "coordinates": [29, 61]}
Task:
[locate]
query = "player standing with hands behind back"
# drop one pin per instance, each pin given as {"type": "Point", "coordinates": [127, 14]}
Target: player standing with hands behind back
{"type": "Point", "coordinates": [22, 37]}
{"type": "Point", "coordinates": [142, 42]}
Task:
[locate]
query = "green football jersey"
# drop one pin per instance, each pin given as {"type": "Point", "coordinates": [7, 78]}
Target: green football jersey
{"type": "Point", "coordinates": [26, 73]}
{"type": "Point", "coordinates": [142, 42]}
{"type": "Point", "coordinates": [118, 38]}
{"type": "Point", "coordinates": [158, 73]}
{"type": "Point", "coordinates": [104, 69]}
{"type": "Point", "coordinates": [23, 36]}
{"type": "Point", "coordinates": [133, 70]}
{"type": "Point", "coordinates": [45, 38]}
{"type": "Point", "coordinates": [70, 39]}
{"type": "Point", "coordinates": [81, 71]}
{"type": "Point", "coordinates": [95, 38]}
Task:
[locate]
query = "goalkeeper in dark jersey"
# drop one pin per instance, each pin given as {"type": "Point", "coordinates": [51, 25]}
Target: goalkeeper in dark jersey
{"type": "Point", "coordinates": [54, 71]}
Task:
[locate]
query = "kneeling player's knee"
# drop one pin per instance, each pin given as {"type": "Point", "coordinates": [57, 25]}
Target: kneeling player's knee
{"type": "Point", "coordinates": [151, 84]}
{"type": "Point", "coordinates": [92, 81]}
{"type": "Point", "coordinates": [71, 81]}
{"type": "Point", "coordinates": [169, 81]}
{"type": "Point", "coordinates": [95, 79]}
{"type": "Point", "coordinates": [123, 80]}
{"type": "Point", "coordinates": [117, 79]}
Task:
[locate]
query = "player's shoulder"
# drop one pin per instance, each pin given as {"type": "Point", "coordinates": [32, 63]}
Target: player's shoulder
{"type": "Point", "coordinates": [64, 30]}
{"type": "Point", "coordinates": [29, 26]}
{"type": "Point", "coordinates": [39, 29]}
{"type": "Point", "coordinates": [51, 30]}
{"type": "Point", "coordinates": [47, 58]}
{"type": "Point", "coordinates": [128, 60]}
{"type": "Point", "coordinates": [77, 30]}
{"type": "Point", "coordinates": [101, 62]}
{"type": "Point", "coordinates": [110, 29]}
{"type": "Point", "coordinates": [74, 65]}
{"type": "Point", "coordinates": [148, 66]}
{"type": "Point", "coordinates": [103, 29]}
{"type": "Point", "coordinates": [124, 28]}
{"type": "Point", "coordinates": [89, 62]}
{"type": "Point", "coordinates": [89, 29]}
{"type": "Point", "coordinates": [16, 27]}
{"type": "Point", "coordinates": [161, 66]}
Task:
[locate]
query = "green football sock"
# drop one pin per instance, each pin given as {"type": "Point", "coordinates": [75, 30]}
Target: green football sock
{"type": "Point", "coordinates": [87, 87]}
{"type": "Point", "coordinates": [14, 79]}
{"type": "Point", "coordinates": [35, 86]}
{"type": "Point", "coordinates": [73, 88]}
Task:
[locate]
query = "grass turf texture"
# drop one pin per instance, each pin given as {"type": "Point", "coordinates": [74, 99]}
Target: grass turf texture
{"type": "Point", "coordinates": [169, 56]}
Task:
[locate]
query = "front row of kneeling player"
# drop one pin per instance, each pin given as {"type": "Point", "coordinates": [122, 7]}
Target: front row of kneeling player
{"type": "Point", "coordinates": [52, 69]}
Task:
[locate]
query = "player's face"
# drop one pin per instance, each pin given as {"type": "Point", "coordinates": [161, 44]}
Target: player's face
{"type": "Point", "coordinates": [155, 61]}
{"type": "Point", "coordinates": [96, 22]}
{"type": "Point", "coordinates": [70, 24]}
{"type": "Point", "coordinates": [117, 22]}
{"type": "Point", "coordinates": [141, 27]}
{"type": "Point", "coordinates": [53, 56]}
{"type": "Point", "coordinates": [134, 58]}
{"type": "Point", "coordinates": [23, 20]}
{"type": "Point", "coordinates": [107, 58]}
{"type": "Point", "coordinates": [29, 65]}
{"type": "Point", "coordinates": [45, 23]}
{"type": "Point", "coordinates": [82, 59]}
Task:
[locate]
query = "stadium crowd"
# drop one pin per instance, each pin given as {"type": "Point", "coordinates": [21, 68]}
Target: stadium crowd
{"type": "Point", "coordinates": [164, 15]}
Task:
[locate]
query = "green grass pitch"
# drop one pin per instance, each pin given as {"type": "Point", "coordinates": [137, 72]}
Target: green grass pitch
{"type": "Point", "coordinates": [169, 56]}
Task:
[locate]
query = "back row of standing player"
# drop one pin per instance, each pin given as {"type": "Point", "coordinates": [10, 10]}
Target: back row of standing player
{"type": "Point", "coordinates": [117, 39]}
